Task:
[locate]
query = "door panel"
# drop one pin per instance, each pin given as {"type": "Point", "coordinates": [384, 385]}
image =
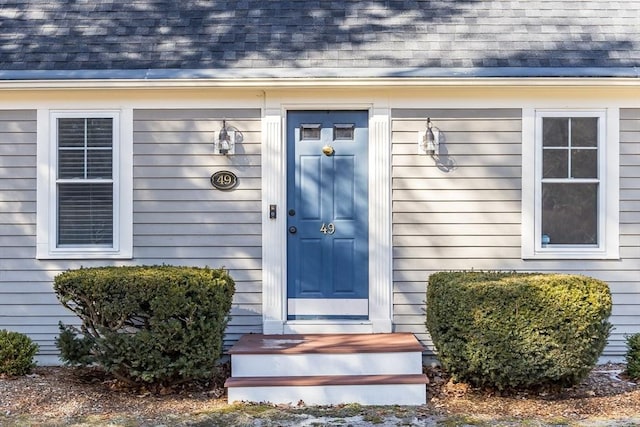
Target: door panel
{"type": "Point", "coordinates": [310, 173]}
{"type": "Point", "coordinates": [327, 197]}
{"type": "Point", "coordinates": [344, 251]}
{"type": "Point", "coordinates": [344, 188]}
{"type": "Point", "coordinates": [312, 264]}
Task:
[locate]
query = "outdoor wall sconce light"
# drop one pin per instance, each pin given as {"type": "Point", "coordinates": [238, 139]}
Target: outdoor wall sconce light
{"type": "Point", "coordinates": [429, 140]}
{"type": "Point", "coordinates": [226, 142]}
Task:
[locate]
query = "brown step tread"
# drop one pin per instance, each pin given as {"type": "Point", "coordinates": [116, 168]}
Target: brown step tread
{"type": "Point", "coordinates": [326, 380]}
{"type": "Point", "coordinates": [326, 343]}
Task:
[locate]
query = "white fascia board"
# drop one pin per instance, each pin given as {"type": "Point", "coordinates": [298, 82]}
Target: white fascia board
{"type": "Point", "coordinates": [296, 78]}
{"type": "Point", "coordinates": [315, 83]}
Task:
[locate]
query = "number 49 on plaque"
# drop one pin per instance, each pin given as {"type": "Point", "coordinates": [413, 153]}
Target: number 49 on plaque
{"type": "Point", "coordinates": [224, 180]}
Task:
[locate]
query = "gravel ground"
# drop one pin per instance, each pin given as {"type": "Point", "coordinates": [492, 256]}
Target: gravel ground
{"type": "Point", "coordinates": [58, 396]}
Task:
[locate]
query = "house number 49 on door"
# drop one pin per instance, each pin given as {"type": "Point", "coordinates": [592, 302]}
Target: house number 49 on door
{"type": "Point", "coordinates": [328, 229]}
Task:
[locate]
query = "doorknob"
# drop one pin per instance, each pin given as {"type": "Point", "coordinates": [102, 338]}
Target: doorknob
{"type": "Point", "coordinates": [293, 230]}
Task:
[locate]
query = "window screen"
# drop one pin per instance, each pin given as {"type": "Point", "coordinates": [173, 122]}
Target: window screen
{"type": "Point", "coordinates": [570, 181]}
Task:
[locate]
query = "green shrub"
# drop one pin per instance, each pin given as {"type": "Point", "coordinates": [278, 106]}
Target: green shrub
{"type": "Point", "coordinates": [158, 325]}
{"type": "Point", "coordinates": [633, 356]}
{"type": "Point", "coordinates": [16, 353]}
{"type": "Point", "coordinates": [510, 330]}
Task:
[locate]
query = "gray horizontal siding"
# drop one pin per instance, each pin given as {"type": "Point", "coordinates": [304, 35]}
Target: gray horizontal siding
{"type": "Point", "coordinates": [27, 301]}
{"type": "Point", "coordinates": [468, 215]}
{"type": "Point", "coordinates": [467, 207]}
{"type": "Point", "coordinates": [625, 283]}
{"type": "Point", "coordinates": [179, 218]}
{"type": "Point", "coordinates": [462, 216]}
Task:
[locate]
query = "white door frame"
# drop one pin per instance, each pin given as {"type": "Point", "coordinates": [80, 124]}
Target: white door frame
{"type": "Point", "coordinates": [274, 233]}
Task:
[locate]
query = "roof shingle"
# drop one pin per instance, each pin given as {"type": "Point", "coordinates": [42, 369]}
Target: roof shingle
{"type": "Point", "coordinates": [319, 35]}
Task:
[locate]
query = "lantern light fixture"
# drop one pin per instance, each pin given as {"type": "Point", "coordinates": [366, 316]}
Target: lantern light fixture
{"type": "Point", "coordinates": [225, 143]}
{"type": "Point", "coordinates": [429, 140]}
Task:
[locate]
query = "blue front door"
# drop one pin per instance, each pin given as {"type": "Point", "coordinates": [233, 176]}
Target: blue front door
{"type": "Point", "coordinates": [327, 215]}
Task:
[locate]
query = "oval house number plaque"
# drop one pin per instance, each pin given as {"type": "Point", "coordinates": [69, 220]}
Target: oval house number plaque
{"type": "Point", "coordinates": [224, 180]}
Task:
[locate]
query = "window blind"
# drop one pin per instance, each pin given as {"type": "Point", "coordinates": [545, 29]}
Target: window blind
{"type": "Point", "coordinates": [85, 182]}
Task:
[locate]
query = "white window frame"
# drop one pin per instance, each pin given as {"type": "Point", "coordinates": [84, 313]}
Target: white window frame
{"type": "Point", "coordinates": [608, 189]}
{"type": "Point", "coordinates": [47, 154]}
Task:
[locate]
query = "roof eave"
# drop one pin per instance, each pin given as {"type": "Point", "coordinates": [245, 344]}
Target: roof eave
{"type": "Point", "coordinates": [281, 77]}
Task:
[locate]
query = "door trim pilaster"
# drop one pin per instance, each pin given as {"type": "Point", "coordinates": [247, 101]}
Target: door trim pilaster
{"type": "Point", "coordinates": [380, 233]}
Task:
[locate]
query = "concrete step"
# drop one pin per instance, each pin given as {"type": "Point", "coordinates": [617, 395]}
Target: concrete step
{"type": "Point", "coordinates": [320, 369]}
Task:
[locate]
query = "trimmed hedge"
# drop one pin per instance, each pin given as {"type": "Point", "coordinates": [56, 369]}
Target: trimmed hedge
{"type": "Point", "coordinates": [517, 330]}
{"type": "Point", "coordinates": [633, 356]}
{"type": "Point", "coordinates": [158, 325]}
{"type": "Point", "coordinates": [16, 353]}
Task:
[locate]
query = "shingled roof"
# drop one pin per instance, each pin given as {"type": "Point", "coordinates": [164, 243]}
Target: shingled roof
{"type": "Point", "coordinates": [318, 38]}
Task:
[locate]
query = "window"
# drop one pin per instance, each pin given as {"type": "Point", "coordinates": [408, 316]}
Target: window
{"type": "Point", "coordinates": [84, 184]}
{"type": "Point", "coordinates": [344, 132]}
{"type": "Point", "coordinates": [570, 186]}
{"type": "Point", "coordinates": [570, 181]}
{"type": "Point", "coordinates": [310, 131]}
{"type": "Point", "coordinates": [85, 196]}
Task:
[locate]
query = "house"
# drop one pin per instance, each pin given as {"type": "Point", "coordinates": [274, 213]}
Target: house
{"type": "Point", "coordinates": [330, 154]}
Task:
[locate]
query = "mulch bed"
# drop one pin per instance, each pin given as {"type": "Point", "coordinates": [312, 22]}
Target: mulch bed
{"type": "Point", "coordinates": [56, 394]}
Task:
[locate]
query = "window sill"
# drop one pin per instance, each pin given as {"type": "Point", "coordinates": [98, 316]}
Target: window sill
{"type": "Point", "coordinates": [62, 255]}
{"type": "Point", "coordinates": [570, 256]}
